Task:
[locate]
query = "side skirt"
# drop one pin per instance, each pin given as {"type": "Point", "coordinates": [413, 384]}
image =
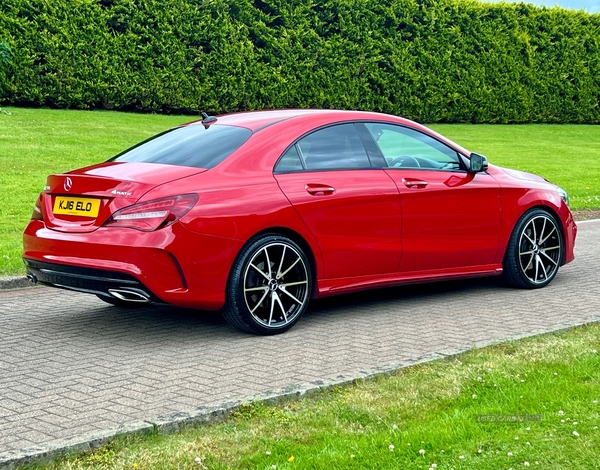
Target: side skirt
{"type": "Point", "coordinates": [326, 287]}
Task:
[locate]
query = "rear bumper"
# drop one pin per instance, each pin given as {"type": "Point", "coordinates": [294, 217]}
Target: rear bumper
{"type": "Point", "coordinates": [91, 281]}
{"type": "Point", "coordinates": [173, 265]}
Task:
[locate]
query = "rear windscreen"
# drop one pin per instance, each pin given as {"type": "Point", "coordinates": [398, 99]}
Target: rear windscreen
{"type": "Point", "coordinates": [188, 146]}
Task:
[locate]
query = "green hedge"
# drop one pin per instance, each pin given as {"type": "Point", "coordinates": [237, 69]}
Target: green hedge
{"type": "Point", "coordinates": [429, 60]}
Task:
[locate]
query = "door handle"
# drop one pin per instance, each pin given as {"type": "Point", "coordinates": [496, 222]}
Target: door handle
{"type": "Point", "coordinates": [413, 183]}
{"type": "Point", "coordinates": [319, 189]}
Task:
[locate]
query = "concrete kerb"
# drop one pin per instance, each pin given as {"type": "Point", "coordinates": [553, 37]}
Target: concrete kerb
{"type": "Point", "coordinates": [214, 413]}
{"type": "Point", "coordinates": [579, 222]}
{"type": "Point", "coordinates": [14, 282]}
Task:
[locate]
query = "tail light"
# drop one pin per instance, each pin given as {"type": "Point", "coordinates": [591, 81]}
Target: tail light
{"type": "Point", "coordinates": [37, 209]}
{"type": "Point", "coordinates": [151, 215]}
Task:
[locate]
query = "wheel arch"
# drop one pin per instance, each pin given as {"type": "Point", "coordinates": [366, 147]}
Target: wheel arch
{"type": "Point", "coordinates": [296, 238]}
{"type": "Point", "coordinates": [239, 313]}
{"type": "Point", "coordinates": [554, 213]}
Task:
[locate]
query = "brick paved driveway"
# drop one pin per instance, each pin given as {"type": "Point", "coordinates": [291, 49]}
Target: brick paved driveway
{"type": "Point", "coordinates": [72, 366]}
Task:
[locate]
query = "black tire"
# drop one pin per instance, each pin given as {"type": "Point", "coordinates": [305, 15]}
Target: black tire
{"type": "Point", "coordinates": [120, 303]}
{"type": "Point", "coordinates": [535, 250]}
{"type": "Point", "coordinates": [269, 286]}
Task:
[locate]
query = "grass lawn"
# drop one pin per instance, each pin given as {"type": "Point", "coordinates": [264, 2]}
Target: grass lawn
{"type": "Point", "coordinates": [422, 417]}
{"type": "Point", "coordinates": [38, 142]}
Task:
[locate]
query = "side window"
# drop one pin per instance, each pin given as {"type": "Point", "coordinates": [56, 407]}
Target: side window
{"type": "Point", "coordinates": [406, 148]}
{"type": "Point", "coordinates": [334, 147]}
{"type": "Point", "coordinates": [290, 161]}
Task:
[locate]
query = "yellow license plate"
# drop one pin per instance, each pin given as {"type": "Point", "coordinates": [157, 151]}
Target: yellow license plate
{"type": "Point", "coordinates": [81, 206]}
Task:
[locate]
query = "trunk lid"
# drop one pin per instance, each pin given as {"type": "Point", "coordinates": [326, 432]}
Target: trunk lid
{"type": "Point", "coordinates": [82, 200]}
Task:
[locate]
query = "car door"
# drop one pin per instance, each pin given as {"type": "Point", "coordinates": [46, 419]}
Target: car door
{"type": "Point", "coordinates": [450, 218]}
{"type": "Point", "coordinates": [351, 208]}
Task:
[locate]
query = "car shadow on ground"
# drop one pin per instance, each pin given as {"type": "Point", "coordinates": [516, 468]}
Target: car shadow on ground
{"type": "Point", "coordinates": [201, 320]}
{"type": "Point", "coordinates": [174, 325]}
{"type": "Point", "coordinates": [405, 292]}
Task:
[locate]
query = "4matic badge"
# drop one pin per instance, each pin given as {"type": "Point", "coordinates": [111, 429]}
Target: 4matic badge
{"type": "Point", "coordinates": [120, 193]}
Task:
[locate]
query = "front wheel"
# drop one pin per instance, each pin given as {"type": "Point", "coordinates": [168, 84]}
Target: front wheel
{"type": "Point", "coordinates": [534, 251]}
{"type": "Point", "coordinates": [269, 286]}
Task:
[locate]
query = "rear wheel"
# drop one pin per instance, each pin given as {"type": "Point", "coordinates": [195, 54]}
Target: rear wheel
{"type": "Point", "coordinates": [269, 286]}
{"type": "Point", "coordinates": [534, 251]}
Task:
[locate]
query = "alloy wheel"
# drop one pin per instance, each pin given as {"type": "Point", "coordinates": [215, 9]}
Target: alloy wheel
{"type": "Point", "coordinates": [539, 249]}
{"type": "Point", "coordinates": [276, 285]}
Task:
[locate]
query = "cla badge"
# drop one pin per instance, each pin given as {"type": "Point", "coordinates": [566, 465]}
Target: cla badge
{"type": "Point", "coordinates": [68, 184]}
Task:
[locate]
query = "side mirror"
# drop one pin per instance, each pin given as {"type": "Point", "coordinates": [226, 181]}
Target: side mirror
{"type": "Point", "coordinates": [478, 163]}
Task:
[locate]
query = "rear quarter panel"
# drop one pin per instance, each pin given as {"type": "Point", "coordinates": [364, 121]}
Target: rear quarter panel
{"type": "Point", "coordinates": [238, 208]}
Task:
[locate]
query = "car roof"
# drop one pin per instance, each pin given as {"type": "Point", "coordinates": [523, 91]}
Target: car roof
{"type": "Point", "coordinates": [256, 120]}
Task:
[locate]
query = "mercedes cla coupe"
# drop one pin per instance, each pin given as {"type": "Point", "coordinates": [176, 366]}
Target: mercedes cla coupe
{"type": "Point", "coordinates": [257, 213]}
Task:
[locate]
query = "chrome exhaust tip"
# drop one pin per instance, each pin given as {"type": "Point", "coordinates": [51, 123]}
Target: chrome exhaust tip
{"type": "Point", "coordinates": [130, 295]}
{"type": "Point", "coordinates": [32, 278]}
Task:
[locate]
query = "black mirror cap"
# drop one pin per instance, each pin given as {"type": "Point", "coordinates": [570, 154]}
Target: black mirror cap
{"type": "Point", "coordinates": [478, 163]}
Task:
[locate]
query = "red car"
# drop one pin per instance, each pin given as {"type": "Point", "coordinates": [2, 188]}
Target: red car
{"type": "Point", "coordinates": [256, 213]}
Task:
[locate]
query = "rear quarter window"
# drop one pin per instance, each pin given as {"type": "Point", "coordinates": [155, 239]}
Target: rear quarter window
{"type": "Point", "coordinates": [192, 146]}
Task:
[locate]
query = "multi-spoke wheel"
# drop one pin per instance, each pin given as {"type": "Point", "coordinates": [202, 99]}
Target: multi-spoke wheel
{"type": "Point", "coordinates": [269, 287]}
{"type": "Point", "coordinates": [535, 250]}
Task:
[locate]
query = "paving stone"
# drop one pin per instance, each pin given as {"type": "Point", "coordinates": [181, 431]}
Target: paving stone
{"type": "Point", "coordinates": [73, 369]}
